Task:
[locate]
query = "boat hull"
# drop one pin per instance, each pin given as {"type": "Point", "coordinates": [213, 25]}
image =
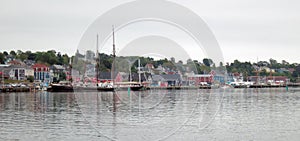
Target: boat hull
{"type": "Point", "coordinates": [132, 88]}
{"type": "Point", "coordinates": [105, 89]}
{"type": "Point", "coordinates": [57, 88]}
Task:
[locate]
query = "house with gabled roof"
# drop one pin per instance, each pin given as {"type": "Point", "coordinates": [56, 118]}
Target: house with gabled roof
{"type": "Point", "coordinates": [15, 72]}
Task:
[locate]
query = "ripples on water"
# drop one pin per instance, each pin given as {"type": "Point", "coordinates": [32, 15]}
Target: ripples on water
{"type": "Point", "coordinates": [233, 114]}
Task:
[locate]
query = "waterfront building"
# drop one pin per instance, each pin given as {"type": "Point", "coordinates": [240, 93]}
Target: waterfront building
{"type": "Point", "coordinates": [17, 73]}
{"type": "Point", "coordinates": [41, 72]}
{"type": "Point", "coordinates": [198, 79]}
{"type": "Point", "coordinates": [29, 71]}
{"type": "Point", "coordinates": [14, 72]}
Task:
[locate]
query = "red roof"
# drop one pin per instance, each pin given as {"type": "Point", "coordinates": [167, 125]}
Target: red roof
{"type": "Point", "coordinates": [39, 66]}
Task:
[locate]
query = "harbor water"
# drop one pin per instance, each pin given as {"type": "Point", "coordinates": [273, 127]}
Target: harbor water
{"type": "Point", "coordinates": [217, 114]}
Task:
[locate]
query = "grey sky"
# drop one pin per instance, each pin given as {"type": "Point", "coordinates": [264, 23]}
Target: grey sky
{"type": "Point", "coordinates": [245, 29]}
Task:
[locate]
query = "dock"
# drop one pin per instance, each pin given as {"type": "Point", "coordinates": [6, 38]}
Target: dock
{"type": "Point", "coordinates": [14, 89]}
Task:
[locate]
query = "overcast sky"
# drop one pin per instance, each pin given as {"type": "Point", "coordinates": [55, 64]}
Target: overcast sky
{"type": "Point", "coordinates": [245, 29]}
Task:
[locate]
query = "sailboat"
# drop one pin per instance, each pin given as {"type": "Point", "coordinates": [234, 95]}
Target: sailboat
{"type": "Point", "coordinates": [134, 86]}
{"type": "Point", "coordinates": [106, 86]}
{"type": "Point", "coordinates": [94, 87]}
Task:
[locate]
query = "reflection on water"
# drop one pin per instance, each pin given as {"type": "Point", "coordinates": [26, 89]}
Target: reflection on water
{"type": "Point", "coordinates": [231, 114]}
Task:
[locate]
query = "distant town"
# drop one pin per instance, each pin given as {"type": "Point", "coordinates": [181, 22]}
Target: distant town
{"type": "Point", "coordinates": [52, 67]}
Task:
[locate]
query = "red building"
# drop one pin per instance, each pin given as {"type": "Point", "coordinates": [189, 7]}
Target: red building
{"type": "Point", "coordinates": [41, 72]}
{"type": "Point", "coordinates": [197, 79]}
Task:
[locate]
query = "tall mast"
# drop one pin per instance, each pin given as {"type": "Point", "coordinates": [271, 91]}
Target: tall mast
{"type": "Point", "coordinates": [139, 71]}
{"type": "Point", "coordinates": [97, 63]}
{"type": "Point", "coordinates": [70, 69]}
{"type": "Point", "coordinates": [114, 46]}
{"type": "Point", "coordinates": [85, 60]}
{"type": "Point", "coordinates": [114, 55]}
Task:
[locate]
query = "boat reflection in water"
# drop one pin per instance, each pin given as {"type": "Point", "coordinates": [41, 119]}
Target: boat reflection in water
{"type": "Point", "coordinates": [150, 112]}
{"type": "Point", "coordinates": [209, 114]}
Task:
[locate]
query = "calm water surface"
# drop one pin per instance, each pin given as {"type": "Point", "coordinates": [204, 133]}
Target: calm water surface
{"type": "Point", "coordinates": [223, 114]}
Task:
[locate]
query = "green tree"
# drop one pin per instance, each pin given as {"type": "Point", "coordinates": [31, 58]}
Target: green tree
{"type": "Point", "coordinates": [13, 53]}
{"type": "Point", "coordinates": [52, 59]}
{"type": "Point", "coordinates": [65, 59]}
{"type": "Point", "coordinates": [5, 53]}
{"type": "Point", "coordinates": [2, 58]}
{"type": "Point", "coordinates": [21, 55]}
{"type": "Point", "coordinates": [19, 52]}
{"type": "Point", "coordinates": [59, 59]}
{"type": "Point", "coordinates": [207, 62]}
{"type": "Point", "coordinates": [180, 62]}
{"type": "Point", "coordinates": [31, 56]}
{"type": "Point", "coordinates": [48, 57]}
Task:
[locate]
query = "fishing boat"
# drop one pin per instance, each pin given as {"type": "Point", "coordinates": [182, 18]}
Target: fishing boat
{"type": "Point", "coordinates": [62, 86]}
